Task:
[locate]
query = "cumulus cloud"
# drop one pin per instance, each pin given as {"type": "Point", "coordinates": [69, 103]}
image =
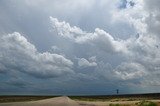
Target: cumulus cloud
{"type": "Point", "coordinates": [20, 55]}
{"type": "Point", "coordinates": [146, 20]}
{"type": "Point", "coordinates": [126, 51]}
{"type": "Point", "coordinates": [93, 59]}
{"type": "Point", "coordinates": [82, 62]}
{"type": "Point", "coordinates": [130, 71]}
{"type": "Point", "coordinates": [153, 18]}
{"type": "Point", "coordinates": [142, 50]}
{"type": "Point", "coordinates": [101, 39]}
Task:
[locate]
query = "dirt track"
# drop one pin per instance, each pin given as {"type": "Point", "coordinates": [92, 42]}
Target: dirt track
{"type": "Point", "coordinates": [58, 101]}
{"type": "Point", "coordinates": [65, 101]}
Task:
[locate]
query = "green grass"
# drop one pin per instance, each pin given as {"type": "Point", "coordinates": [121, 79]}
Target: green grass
{"type": "Point", "coordinates": [146, 103]}
{"type": "Point", "coordinates": [90, 98]}
{"type": "Point", "coordinates": [142, 103]}
{"type": "Point", "coordinates": [119, 105]}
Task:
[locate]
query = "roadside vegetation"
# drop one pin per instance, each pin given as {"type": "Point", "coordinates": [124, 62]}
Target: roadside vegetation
{"type": "Point", "coordinates": [119, 105]}
{"type": "Point", "coordinates": [146, 103]}
{"type": "Point", "coordinates": [5, 99]}
{"type": "Point", "coordinates": [141, 103]}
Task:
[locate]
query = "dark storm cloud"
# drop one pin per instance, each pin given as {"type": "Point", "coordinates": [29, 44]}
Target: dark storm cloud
{"type": "Point", "coordinates": [87, 46]}
{"type": "Point", "coordinates": [18, 54]}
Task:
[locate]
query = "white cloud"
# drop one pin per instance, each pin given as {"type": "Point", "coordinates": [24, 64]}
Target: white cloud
{"type": "Point", "coordinates": [82, 62]}
{"type": "Point", "coordinates": [130, 71]}
{"type": "Point", "coordinates": [131, 16]}
{"type": "Point", "coordinates": [100, 39]}
{"type": "Point", "coordinates": [142, 50]}
{"type": "Point", "coordinates": [19, 54]}
{"type": "Point", "coordinates": [131, 59]}
{"type": "Point", "coordinates": [144, 16]}
{"type": "Point", "coordinates": [153, 19]}
{"type": "Point", "coordinates": [93, 59]}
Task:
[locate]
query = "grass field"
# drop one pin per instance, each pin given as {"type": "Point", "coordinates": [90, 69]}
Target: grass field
{"type": "Point", "coordinates": [104, 100]}
{"type": "Point", "coordinates": [126, 97]}
{"type": "Point", "coordinates": [16, 98]}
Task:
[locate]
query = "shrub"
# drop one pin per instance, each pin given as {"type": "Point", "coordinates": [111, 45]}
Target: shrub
{"type": "Point", "coordinates": [146, 103]}
{"type": "Point", "coordinates": [114, 105]}
{"type": "Point", "coordinates": [119, 105]}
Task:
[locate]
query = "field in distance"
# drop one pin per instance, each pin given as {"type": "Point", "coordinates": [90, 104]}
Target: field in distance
{"type": "Point", "coordinates": [101, 100]}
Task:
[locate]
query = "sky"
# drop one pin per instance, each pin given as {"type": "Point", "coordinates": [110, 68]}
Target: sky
{"type": "Point", "coordinates": [79, 47]}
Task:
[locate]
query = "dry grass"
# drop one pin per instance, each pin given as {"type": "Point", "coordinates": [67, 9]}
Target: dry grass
{"type": "Point", "coordinates": [4, 99]}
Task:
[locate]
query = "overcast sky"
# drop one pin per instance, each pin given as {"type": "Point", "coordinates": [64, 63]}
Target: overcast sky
{"type": "Point", "coordinates": [78, 47]}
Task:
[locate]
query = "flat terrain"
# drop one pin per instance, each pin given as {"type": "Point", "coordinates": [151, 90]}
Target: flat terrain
{"type": "Point", "coordinates": [4, 99]}
{"type": "Point", "coordinates": [118, 103]}
{"type": "Point", "coordinates": [111, 100]}
{"type": "Point", "coordinates": [66, 101]}
{"type": "Point", "coordinates": [57, 101]}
